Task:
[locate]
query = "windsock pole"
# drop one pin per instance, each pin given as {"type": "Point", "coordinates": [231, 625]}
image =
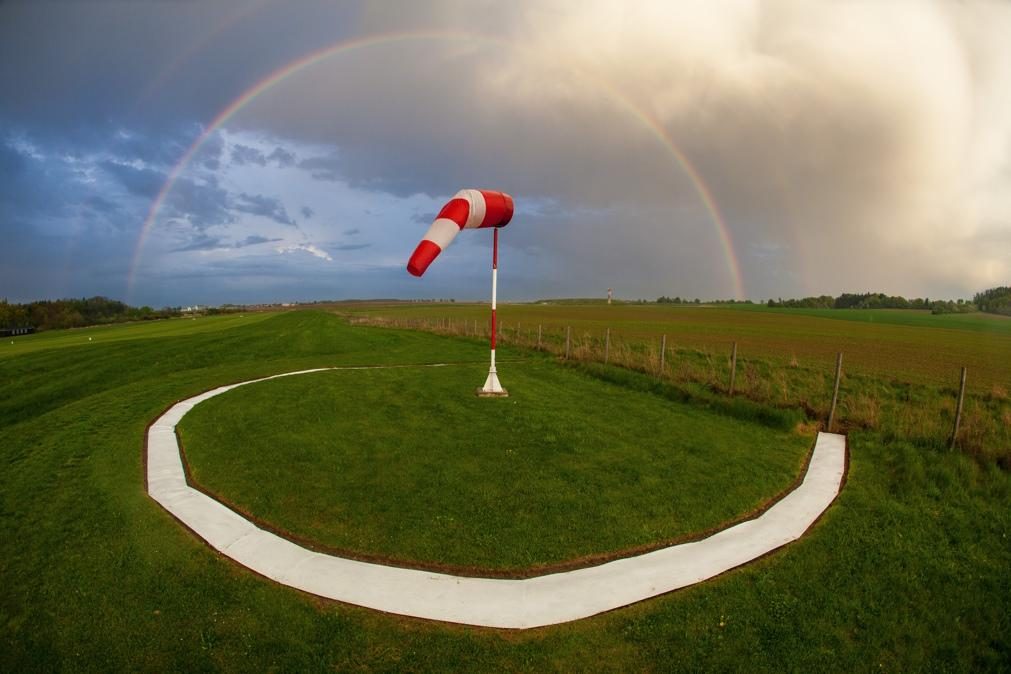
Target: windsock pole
{"type": "Point", "coordinates": [492, 387]}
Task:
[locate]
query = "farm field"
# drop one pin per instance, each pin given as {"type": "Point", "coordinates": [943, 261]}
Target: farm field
{"type": "Point", "coordinates": [976, 321]}
{"type": "Point", "coordinates": [907, 570]}
{"type": "Point", "coordinates": [909, 346]}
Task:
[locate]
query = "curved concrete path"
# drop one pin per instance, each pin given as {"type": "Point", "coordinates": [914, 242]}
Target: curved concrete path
{"type": "Point", "coordinates": [491, 602]}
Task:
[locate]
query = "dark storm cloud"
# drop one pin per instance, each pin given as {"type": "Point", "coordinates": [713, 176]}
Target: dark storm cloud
{"type": "Point", "coordinates": [268, 207]}
{"type": "Point", "coordinates": [142, 182]}
{"type": "Point", "coordinates": [210, 153]}
{"type": "Point", "coordinates": [148, 65]}
{"type": "Point", "coordinates": [282, 157]}
{"type": "Point", "coordinates": [810, 124]}
{"type": "Point", "coordinates": [57, 233]}
{"type": "Point", "coordinates": [202, 204]}
{"type": "Point", "coordinates": [12, 162]}
{"type": "Point", "coordinates": [101, 205]}
{"type": "Point", "coordinates": [161, 151]}
{"type": "Point", "coordinates": [23, 187]}
{"type": "Point", "coordinates": [46, 188]}
{"type": "Point", "coordinates": [36, 265]}
{"type": "Point", "coordinates": [243, 154]}
{"type": "Point", "coordinates": [254, 240]}
{"type": "Point", "coordinates": [328, 168]}
{"type": "Point", "coordinates": [838, 151]}
{"type": "Point", "coordinates": [202, 241]}
{"type": "Point", "coordinates": [307, 212]}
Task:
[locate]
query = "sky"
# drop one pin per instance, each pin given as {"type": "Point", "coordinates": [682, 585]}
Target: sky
{"type": "Point", "coordinates": [183, 152]}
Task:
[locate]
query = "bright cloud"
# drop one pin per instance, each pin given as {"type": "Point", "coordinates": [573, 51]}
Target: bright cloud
{"type": "Point", "coordinates": [313, 250]}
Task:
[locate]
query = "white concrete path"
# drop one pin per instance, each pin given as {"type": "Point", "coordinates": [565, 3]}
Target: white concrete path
{"type": "Point", "coordinates": [531, 602]}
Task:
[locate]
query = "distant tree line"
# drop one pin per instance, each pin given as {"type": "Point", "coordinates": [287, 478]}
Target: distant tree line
{"type": "Point", "coordinates": [663, 299]}
{"type": "Point", "coordinates": [855, 301]}
{"type": "Point", "coordinates": [75, 313]}
{"type": "Point", "coordinates": [994, 301]}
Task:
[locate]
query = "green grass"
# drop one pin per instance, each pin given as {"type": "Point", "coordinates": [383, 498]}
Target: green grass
{"type": "Point", "coordinates": [910, 346]}
{"type": "Point", "coordinates": [408, 464]}
{"type": "Point", "coordinates": [883, 387]}
{"type": "Point", "coordinates": [974, 322]}
{"type": "Point", "coordinates": [907, 570]}
{"type": "Point", "coordinates": [92, 336]}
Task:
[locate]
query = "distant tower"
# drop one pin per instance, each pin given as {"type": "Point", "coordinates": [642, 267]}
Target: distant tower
{"type": "Point", "coordinates": [610, 294]}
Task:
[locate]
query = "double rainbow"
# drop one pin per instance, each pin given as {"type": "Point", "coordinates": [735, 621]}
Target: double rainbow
{"type": "Point", "coordinates": [650, 123]}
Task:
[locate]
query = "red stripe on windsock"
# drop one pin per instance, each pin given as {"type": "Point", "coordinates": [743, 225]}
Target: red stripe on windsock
{"type": "Point", "coordinates": [456, 210]}
{"type": "Point", "coordinates": [498, 209]}
{"type": "Point", "coordinates": [422, 257]}
{"type": "Point", "coordinates": [495, 209]}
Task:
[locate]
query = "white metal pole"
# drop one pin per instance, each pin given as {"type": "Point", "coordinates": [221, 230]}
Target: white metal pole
{"type": "Point", "coordinates": [491, 384]}
{"type": "Point", "coordinates": [494, 299]}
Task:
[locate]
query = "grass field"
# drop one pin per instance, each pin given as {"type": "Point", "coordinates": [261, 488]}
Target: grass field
{"type": "Point", "coordinates": [909, 346]}
{"type": "Point", "coordinates": [907, 570]}
{"type": "Point", "coordinates": [900, 372]}
{"type": "Point", "coordinates": [100, 334]}
{"type": "Point", "coordinates": [975, 322]}
{"type": "Point", "coordinates": [405, 465]}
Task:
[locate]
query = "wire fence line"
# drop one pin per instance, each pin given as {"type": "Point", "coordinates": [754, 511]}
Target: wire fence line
{"type": "Point", "coordinates": [940, 417]}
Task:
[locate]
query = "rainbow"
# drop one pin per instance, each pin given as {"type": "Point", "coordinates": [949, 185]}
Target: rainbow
{"type": "Point", "coordinates": [649, 122]}
{"type": "Point", "coordinates": [657, 130]}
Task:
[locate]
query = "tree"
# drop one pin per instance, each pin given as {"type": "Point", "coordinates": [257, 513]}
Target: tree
{"type": "Point", "coordinates": [994, 301]}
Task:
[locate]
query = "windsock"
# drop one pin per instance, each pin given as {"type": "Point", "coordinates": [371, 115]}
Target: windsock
{"type": "Point", "coordinates": [468, 209]}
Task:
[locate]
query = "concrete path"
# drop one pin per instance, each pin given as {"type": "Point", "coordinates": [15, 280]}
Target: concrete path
{"type": "Point", "coordinates": [531, 602]}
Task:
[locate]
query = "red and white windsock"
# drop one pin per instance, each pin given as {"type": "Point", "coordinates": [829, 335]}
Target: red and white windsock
{"type": "Point", "coordinates": [468, 209]}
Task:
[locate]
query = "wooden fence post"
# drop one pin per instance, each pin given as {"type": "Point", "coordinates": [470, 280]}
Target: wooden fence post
{"type": "Point", "coordinates": [958, 411]}
{"type": "Point", "coordinates": [568, 341]}
{"type": "Point", "coordinates": [607, 346]}
{"type": "Point", "coordinates": [663, 352]}
{"type": "Point", "coordinates": [538, 336]}
{"type": "Point", "coordinates": [835, 391]}
{"type": "Point", "coordinates": [733, 367]}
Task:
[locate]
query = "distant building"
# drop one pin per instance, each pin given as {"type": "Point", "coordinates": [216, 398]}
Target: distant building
{"type": "Point", "coordinates": [14, 332]}
{"type": "Point", "coordinates": [610, 294]}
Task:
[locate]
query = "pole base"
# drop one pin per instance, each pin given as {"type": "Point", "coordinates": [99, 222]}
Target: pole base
{"type": "Point", "coordinates": [492, 388]}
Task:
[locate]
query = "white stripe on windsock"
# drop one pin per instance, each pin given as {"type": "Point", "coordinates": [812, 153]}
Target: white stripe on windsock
{"type": "Point", "coordinates": [442, 232]}
{"type": "Point", "coordinates": [478, 208]}
{"type": "Point", "coordinates": [468, 209]}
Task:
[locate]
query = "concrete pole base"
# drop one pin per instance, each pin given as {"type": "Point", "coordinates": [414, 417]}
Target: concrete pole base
{"type": "Point", "coordinates": [492, 388]}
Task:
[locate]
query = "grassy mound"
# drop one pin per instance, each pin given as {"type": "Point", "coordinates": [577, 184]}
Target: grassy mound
{"type": "Point", "coordinates": [408, 464]}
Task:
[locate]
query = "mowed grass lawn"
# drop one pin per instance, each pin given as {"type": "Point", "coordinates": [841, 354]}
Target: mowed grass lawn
{"type": "Point", "coordinates": [906, 345]}
{"type": "Point", "coordinates": [907, 570]}
{"type": "Point", "coordinates": [101, 334]}
{"type": "Point", "coordinates": [408, 464]}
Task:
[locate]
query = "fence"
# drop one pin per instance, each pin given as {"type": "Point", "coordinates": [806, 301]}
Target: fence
{"type": "Point", "coordinates": [936, 417]}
